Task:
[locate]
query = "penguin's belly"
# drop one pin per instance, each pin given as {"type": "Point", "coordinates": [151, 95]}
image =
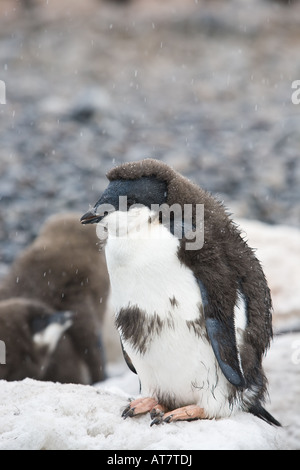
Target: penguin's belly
{"type": "Point", "coordinates": [159, 316]}
{"type": "Point", "coordinates": [178, 368]}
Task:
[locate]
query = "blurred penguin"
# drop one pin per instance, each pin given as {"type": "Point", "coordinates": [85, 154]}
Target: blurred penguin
{"type": "Point", "coordinates": [31, 332]}
{"type": "Point", "coordinates": [63, 269]}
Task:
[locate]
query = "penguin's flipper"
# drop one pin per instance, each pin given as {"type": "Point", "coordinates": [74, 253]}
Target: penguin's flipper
{"type": "Point", "coordinates": [221, 333]}
{"type": "Point", "coordinates": [128, 360]}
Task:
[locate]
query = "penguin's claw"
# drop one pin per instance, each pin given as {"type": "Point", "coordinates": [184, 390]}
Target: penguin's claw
{"type": "Point", "coordinates": [157, 410]}
{"type": "Point", "coordinates": [168, 419]}
{"type": "Point", "coordinates": [128, 412]}
{"type": "Point", "coordinates": [161, 419]}
{"type": "Point", "coordinates": [157, 420]}
{"type": "Point", "coordinates": [157, 414]}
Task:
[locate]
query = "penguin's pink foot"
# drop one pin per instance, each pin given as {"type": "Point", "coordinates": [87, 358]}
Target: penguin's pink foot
{"type": "Point", "coordinates": [186, 413]}
{"type": "Point", "coordinates": [140, 406]}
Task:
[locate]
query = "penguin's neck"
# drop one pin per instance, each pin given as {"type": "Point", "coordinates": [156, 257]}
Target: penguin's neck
{"type": "Point", "coordinates": [137, 223]}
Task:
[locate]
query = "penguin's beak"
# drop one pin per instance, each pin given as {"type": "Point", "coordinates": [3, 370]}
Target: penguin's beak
{"type": "Point", "coordinates": [100, 210]}
{"type": "Point", "coordinates": [108, 202]}
{"type": "Point", "coordinates": [91, 217]}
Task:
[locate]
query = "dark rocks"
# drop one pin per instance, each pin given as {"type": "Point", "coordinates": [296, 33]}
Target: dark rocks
{"type": "Point", "coordinates": [206, 87]}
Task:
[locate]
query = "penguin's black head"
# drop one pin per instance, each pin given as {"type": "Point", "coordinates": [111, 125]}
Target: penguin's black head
{"type": "Point", "coordinates": [121, 194]}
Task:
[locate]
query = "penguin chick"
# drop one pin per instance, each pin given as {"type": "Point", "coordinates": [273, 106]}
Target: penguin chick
{"type": "Point", "coordinates": [31, 332]}
{"type": "Point", "coordinates": [194, 320]}
{"type": "Point", "coordinates": [64, 269]}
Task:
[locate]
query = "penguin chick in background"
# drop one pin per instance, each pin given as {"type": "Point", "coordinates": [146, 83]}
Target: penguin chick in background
{"type": "Point", "coordinates": [31, 332]}
{"type": "Point", "coordinates": [64, 269]}
{"type": "Point", "coordinates": [194, 321]}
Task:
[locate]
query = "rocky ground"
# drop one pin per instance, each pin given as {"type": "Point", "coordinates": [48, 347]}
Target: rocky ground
{"type": "Point", "coordinates": [203, 85]}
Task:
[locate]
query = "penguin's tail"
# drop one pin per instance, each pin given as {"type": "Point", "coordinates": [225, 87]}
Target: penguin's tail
{"type": "Point", "coordinates": [260, 412]}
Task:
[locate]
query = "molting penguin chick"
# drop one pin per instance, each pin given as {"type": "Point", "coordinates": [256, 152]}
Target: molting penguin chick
{"type": "Point", "coordinates": [31, 332]}
{"type": "Point", "coordinates": [194, 320]}
{"type": "Point", "coordinates": [64, 269]}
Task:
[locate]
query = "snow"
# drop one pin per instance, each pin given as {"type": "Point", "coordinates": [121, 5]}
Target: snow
{"type": "Point", "coordinates": [44, 415]}
{"type": "Point", "coordinates": [282, 367]}
{"type": "Point", "coordinates": [278, 249]}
